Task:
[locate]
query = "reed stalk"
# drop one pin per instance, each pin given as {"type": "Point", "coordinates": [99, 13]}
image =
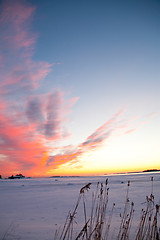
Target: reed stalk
{"type": "Point", "coordinates": [96, 226]}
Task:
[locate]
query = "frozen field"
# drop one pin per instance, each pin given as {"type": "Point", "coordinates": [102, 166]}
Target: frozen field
{"type": "Point", "coordinates": [34, 208]}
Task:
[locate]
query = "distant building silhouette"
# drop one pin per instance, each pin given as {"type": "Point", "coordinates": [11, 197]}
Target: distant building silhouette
{"type": "Point", "coordinates": [18, 176]}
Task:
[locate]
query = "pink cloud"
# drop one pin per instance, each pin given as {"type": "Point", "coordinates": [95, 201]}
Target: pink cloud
{"type": "Point", "coordinates": [17, 42]}
{"type": "Point", "coordinates": [15, 17]}
{"type": "Point", "coordinates": [153, 114]}
{"type": "Point", "coordinates": [29, 121]}
{"type": "Point", "coordinates": [130, 131]}
{"type": "Point", "coordinates": [16, 144]}
{"type": "Point", "coordinates": [25, 146]}
{"type": "Point", "coordinates": [45, 112]}
{"type": "Point", "coordinates": [115, 126]}
{"type": "Point", "coordinates": [70, 154]}
{"type": "Point", "coordinates": [37, 72]}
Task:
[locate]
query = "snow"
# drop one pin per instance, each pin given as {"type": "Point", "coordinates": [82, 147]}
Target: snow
{"type": "Point", "coordinates": [34, 208]}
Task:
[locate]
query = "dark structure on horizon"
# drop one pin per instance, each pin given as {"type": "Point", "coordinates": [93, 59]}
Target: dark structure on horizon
{"type": "Point", "coordinates": [18, 176]}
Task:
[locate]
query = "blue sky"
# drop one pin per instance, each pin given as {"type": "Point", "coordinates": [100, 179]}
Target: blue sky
{"type": "Point", "coordinates": [108, 50]}
{"type": "Point", "coordinates": [91, 60]}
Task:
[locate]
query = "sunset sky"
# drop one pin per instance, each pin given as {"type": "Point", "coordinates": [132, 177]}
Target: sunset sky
{"type": "Point", "coordinates": [79, 86]}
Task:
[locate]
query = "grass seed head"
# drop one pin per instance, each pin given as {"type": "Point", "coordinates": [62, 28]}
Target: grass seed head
{"type": "Point", "coordinates": [86, 187]}
{"type": "Point", "coordinates": [106, 181]}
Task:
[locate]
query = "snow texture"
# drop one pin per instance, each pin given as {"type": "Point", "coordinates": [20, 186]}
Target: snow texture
{"type": "Point", "coordinates": [34, 208]}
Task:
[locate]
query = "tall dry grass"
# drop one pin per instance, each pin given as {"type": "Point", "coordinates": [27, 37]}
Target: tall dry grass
{"type": "Point", "coordinates": [97, 224]}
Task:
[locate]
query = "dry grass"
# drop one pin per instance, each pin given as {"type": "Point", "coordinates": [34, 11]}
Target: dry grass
{"type": "Point", "coordinates": [97, 224]}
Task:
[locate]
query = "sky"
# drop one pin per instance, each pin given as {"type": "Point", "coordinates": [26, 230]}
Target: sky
{"type": "Point", "coordinates": [79, 87]}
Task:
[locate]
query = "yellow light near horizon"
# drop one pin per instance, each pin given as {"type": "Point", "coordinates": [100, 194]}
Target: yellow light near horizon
{"type": "Point", "coordinates": [124, 154]}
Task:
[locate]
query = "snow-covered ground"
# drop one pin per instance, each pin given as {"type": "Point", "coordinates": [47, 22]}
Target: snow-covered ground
{"type": "Point", "coordinates": [35, 208]}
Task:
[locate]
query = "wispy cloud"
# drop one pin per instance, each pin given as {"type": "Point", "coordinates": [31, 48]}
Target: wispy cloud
{"type": "Point", "coordinates": [130, 131]}
{"type": "Point", "coordinates": [153, 114]}
{"type": "Point", "coordinates": [15, 19]}
{"type": "Point", "coordinates": [17, 44]}
{"type": "Point", "coordinates": [28, 120]}
{"type": "Point", "coordinates": [70, 154]}
{"type": "Point", "coordinates": [44, 111]}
